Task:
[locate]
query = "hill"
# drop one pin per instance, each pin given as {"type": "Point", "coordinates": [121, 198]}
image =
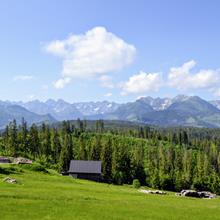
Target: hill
{"type": "Point", "coordinates": [51, 196]}
{"type": "Point", "coordinates": [131, 111]}
{"type": "Point", "coordinates": [8, 112]}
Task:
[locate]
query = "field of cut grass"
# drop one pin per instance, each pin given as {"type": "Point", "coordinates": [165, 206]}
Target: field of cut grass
{"type": "Point", "coordinates": [51, 196]}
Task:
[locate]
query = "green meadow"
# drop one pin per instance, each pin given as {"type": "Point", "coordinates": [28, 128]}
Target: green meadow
{"type": "Point", "coordinates": [39, 195]}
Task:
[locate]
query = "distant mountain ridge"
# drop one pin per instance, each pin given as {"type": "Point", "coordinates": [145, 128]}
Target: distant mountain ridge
{"type": "Point", "coordinates": [216, 103]}
{"type": "Point", "coordinates": [59, 109]}
{"type": "Point", "coordinates": [62, 110]}
{"type": "Point", "coordinates": [9, 112]}
{"type": "Point", "coordinates": [186, 111]}
{"type": "Point", "coordinates": [157, 103]}
{"type": "Point", "coordinates": [181, 110]}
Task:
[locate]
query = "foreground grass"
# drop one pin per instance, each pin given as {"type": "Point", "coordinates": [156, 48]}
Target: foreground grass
{"type": "Point", "coordinates": [50, 196]}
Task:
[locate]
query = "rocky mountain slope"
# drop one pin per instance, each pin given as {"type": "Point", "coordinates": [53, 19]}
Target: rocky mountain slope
{"type": "Point", "coordinates": [178, 111]}
{"type": "Point", "coordinates": [8, 112]}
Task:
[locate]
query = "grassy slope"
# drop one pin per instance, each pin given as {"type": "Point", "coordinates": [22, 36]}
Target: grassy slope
{"type": "Point", "coordinates": [47, 196]}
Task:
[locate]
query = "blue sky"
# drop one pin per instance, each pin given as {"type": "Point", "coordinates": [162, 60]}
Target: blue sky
{"type": "Point", "coordinates": [109, 50]}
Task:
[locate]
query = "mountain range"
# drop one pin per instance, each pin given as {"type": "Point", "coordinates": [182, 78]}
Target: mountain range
{"type": "Point", "coordinates": [9, 111]}
{"type": "Point", "coordinates": [178, 111]}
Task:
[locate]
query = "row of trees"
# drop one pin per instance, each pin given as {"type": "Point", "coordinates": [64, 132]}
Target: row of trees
{"type": "Point", "coordinates": [161, 159]}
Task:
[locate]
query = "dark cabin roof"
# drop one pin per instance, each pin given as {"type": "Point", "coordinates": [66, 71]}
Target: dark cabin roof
{"type": "Point", "coordinates": [83, 166]}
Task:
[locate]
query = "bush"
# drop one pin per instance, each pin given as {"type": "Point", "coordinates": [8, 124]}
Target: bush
{"type": "Point", "coordinates": [136, 184]}
{"type": "Point", "coordinates": [10, 170]}
{"type": "Point", "coordinates": [3, 171]}
{"type": "Point", "coordinates": [35, 167]}
{"type": "Point", "coordinates": [166, 182]}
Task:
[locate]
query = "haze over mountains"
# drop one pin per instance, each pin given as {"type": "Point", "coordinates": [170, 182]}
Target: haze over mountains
{"type": "Point", "coordinates": [178, 111]}
{"type": "Point", "coordinates": [9, 111]}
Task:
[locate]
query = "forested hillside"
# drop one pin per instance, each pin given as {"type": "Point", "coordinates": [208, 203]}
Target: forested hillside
{"type": "Point", "coordinates": [170, 159]}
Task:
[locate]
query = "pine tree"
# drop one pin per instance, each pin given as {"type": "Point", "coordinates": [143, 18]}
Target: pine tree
{"type": "Point", "coordinates": [99, 126]}
{"type": "Point", "coordinates": [46, 143]}
{"type": "Point", "coordinates": [55, 145]}
{"type": "Point", "coordinates": [106, 158]}
{"type": "Point", "coordinates": [66, 153]}
{"type": "Point", "coordinates": [82, 155]}
{"type": "Point", "coordinates": [23, 137]}
{"type": "Point", "coordinates": [13, 139]}
{"type": "Point", "coordinates": [34, 145]}
{"type": "Point", "coordinates": [96, 148]}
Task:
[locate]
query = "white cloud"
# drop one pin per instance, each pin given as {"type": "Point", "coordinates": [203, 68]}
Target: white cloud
{"type": "Point", "coordinates": [108, 94]}
{"type": "Point", "coordinates": [95, 53]}
{"type": "Point", "coordinates": [140, 96]}
{"type": "Point", "coordinates": [31, 97]}
{"type": "Point", "coordinates": [23, 77]}
{"type": "Point", "coordinates": [57, 48]}
{"type": "Point", "coordinates": [142, 82]}
{"type": "Point", "coordinates": [106, 82]}
{"type": "Point", "coordinates": [183, 78]}
{"type": "Point", "coordinates": [216, 92]}
{"type": "Point", "coordinates": [60, 83]}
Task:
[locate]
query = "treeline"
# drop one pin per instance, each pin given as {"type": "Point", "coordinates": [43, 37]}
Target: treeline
{"type": "Point", "coordinates": [165, 159]}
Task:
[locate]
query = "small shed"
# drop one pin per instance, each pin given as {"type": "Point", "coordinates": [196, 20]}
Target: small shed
{"type": "Point", "coordinates": [4, 160]}
{"type": "Point", "coordinates": [82, 169]}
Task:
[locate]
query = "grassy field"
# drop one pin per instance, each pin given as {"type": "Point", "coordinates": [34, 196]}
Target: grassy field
{"type": "Point", "coordinates": [50, 196]}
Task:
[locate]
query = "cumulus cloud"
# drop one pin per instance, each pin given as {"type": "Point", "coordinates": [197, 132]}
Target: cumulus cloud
{"type": "Point", "coordinates": [106, 82]}
{"type": "Point", "coordinates": [94, 53]}
{"type": "Point", "coordinates": [142, 82]}
{"type": "Point", "coordinates": [183, 78]}
{"type": "Point", "coordinates": [108, 94]}
{"type": "Point", "coordinates": [23, 77]}
{"type": "Point", "coordinates": [60, 83]}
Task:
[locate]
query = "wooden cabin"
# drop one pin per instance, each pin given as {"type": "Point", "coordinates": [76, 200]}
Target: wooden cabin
{"type": "Point", "coordinates": [89, 170]}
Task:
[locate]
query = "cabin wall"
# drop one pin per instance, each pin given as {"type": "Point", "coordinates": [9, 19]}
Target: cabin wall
{"type": "Point", "coordinates": [87, 176]}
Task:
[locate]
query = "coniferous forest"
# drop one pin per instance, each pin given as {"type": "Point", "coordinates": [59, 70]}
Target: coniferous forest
{"type": "Point", "coordinates": [164, 158]}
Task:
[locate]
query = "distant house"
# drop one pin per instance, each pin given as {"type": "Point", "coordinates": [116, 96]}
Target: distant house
{"type": "Point", "coordinates": [4, 160]}
{"type": "Point", "coordinates": [82, 169]}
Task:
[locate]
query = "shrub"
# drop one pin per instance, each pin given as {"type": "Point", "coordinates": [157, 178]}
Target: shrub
{"type": "Point", "coordinates": [10, 170]}
{"type": "Point", "coordinates": [136, 184]}
{"type": "Point", "coordinates": [3, 171]}
{"type": "Point", "coordinates": [35, 167]}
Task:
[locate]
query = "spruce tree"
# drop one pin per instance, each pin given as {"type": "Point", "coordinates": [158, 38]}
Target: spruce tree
{"type": "Point", "coordinates": [66, 153]}
{"type": "Point", "coordinates": [13, 139]}
{"type": "Point", "coordinates": [106, 158]}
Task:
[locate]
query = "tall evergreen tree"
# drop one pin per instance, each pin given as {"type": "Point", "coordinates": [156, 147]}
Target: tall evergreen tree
{"type": "Point", "coordinates": [66, 153]}
{"type": "Point", "coordinates": [23, 137]}
{"type": "Point", "coordinates": [34, 145]}
{"type": "Point", "coordinates": [13, 139]}
{"type": "Point", "coordinates": [106, 158]}
{"type": "Point", "coordinates": [55, 145]}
